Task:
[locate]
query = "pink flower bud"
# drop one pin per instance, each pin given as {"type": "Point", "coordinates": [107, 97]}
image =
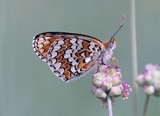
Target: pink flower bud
{"type": "Point", "coordinates": [100, 94]}
{"type": "Point", "coordinates": [140, 79]}
{"type": "Point", "coordinates": [115, 91]}
{"type": "Point", "coordinates": [148, 79]}
{"type": "Point", "coordinates": [156, 74]}
{"type": "Point", "coordinates": [157, 85]}
{"type": "Point", "coordinates": [97, 79]}
{"type": "Point", "coordinates": [125, 90]}
{"type": "Point", "coordinates": [93, 89]}
{"type": "Point", "coordinates": [148, 89]}
{"type": "Point", "coordinates": [112, 72]}
{"type": "Point", "coordinates": [103, 69]}
{"type": "Point", "coordinates": [149, 67]}
{"type": "Point", "coordinates": [116, 80]}
{"type": "Point", "coordinates": [106, 85]}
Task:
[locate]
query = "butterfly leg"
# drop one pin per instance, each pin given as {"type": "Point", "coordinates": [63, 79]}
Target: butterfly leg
{"type": "Point", "coordinates": [96, 66]}
{"type": "Point", "coordinates": [115, 61]}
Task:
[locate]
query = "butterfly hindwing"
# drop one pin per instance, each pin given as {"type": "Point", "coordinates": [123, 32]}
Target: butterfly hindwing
{"type": "Point", "coordinates": [68, 58]}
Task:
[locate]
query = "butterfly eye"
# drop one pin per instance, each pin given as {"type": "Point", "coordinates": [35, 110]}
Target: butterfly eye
{"type": "Point", "coordinates": [110, 44]}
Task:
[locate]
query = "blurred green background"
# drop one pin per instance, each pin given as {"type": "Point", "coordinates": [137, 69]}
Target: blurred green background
{"type": "Point", "coordinates": [27, 85]}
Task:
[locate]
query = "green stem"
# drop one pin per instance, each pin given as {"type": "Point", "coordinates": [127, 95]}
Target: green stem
{"type": "Point", "coordinates": [109, 106]}
{"type": "Point", "coordinates": [134, 55]}
{"type": "Point", "coordinates": [145, 106]}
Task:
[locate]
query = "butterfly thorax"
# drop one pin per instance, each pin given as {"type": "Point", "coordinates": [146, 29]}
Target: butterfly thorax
{"type": "Point", "coordinates": [107, 56]}
{"type": "Point", "coordinates": [109, 45]}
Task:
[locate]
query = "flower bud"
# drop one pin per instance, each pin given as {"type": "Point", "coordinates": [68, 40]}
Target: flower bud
{"type": "Point", "coordinates": [116, 80]}
{"type": "Point", "coordinates": [148, 89]}
{"type": "Point", "coordinates": [125, 90]}
{"type": "Point", "coordinates": [93, 89]}
{"type": "Point", "coordinates": [100, 94]}
{"type": "Point", "coordinates": [106, 85]}
{"type": "Point", "coordinates": [98, 76]}
{"type": "Point", "coordinates": [112, 72]}
{"type": "Point", "coordinates": [140, 79]}
{"type": "Point", "coordinates": [149, 67]}
{"type": "Point", "coordinates": [97, 79]}
{"type": "Point", "coordinates": [115, 91]}
{"type": "Point", "coordinates": [157, 85]}
{"type": "Point", "coordinates": [148, 79]}
{"type": "Point", "coordinates": [156, 75]}
{"type": "Point", "coordinates": [103, 69]}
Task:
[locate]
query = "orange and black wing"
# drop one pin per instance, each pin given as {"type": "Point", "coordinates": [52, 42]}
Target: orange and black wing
{"type": "Point", "coordinates": [69, 55]}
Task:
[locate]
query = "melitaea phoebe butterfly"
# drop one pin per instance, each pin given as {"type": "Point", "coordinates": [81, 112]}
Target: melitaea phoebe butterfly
{"type": "Point", "coordinates": [70, 55]}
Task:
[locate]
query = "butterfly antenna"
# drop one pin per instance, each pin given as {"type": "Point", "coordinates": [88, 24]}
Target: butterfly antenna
{"type": "Point", "coordinates": [119, 27]}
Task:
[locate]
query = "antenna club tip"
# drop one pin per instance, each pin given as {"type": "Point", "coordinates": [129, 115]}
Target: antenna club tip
{"type": "Point", "coordinates": [123, 17]}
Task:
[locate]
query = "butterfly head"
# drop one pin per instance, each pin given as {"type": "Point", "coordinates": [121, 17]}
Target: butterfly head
{"type": "Point", "coordinates": [110, 44]}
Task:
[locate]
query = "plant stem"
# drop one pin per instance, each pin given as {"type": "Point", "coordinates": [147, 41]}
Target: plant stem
{"type": "Point", "coordinates": [134, 55]}
{"type": "Point", "coordinates": [109, 106]}
{"type": "Point", "coordinates": [146, 104]}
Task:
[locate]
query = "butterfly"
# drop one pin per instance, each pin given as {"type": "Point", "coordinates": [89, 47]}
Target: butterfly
{"type": "Point", "coordinates": [70, 55]}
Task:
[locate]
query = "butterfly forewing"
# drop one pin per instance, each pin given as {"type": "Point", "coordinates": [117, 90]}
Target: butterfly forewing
{"type": "Point", "coordinates": [41, 44]}
{"type": "Point", "coordinates": [68, 55]}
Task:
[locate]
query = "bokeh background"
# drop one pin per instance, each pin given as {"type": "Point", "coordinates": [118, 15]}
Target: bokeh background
{"type": "Point", "coordinates": [27, 85]}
